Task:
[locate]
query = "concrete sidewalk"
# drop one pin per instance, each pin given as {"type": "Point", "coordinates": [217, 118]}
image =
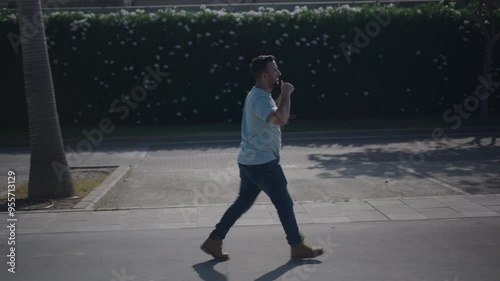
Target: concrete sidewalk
{"type": "Point", "coordinates": [395, 209]}
{"type": "Point", "coordinates": [426, 250]}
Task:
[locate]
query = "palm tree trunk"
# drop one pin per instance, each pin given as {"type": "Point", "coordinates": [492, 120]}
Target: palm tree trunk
{"type": "Point", "coordinates": [49, 172]}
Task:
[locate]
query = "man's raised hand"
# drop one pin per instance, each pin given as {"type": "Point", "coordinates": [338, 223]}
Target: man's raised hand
{"type": "Point", "coordinates": [286, 88]}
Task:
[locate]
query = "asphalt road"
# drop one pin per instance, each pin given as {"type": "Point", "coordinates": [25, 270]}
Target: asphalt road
{"type": "Point", "coordinates": [434, 250]}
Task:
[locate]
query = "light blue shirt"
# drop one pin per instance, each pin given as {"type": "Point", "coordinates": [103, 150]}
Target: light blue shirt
{"type": "Point", "coordinates": [260, 140]}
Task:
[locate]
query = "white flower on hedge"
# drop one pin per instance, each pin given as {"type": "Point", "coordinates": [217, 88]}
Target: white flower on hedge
{"type": "Point", "coordinates": [366, 93]}
{"type": "Point", "coordinates": [74, 48]}
{"type": "Point", "coordinates": [417, 53]}
{"type": "Point", "coordinates": [239, 103]}
{"type": "Point", "coordinates": [296, 26]}
{"type": "Point", "coordinates": [313, 85]}
{"type": "Point", "coordinates": [419, 11]}
{"type": "Point", "coordinates": [346, 93]}
{"type": "Point", "coordinates": [240, 58]}
{"type": "Point", "coordinates": [334, 69]}
{"type": "Point", "coordinates": [134, 43]}
{"type": "Point", "coordinates": [158, 57]}
{"type": "Point", "coordinates": [212, 70]}
{"type": "Point", "coordinates": [55, 62]}
{"type": "Point", "coordinates": [325, 36]}
{"type": "Point", "coordinates": [122, 43]}
{"type": "Point", "coordinates": [186, 55]}
{"type": "Point", "coordinates": [171, 53]}
{"type": "Point", "coordinates": [277, 42]}
{"type": "Point", "coordinates": [440, 67]}
{"type": "Point", "coordinates": [179, 114]}
{"type": "Point", "coordinates": [73, 37]}
{"type": "Point", "coordinates": [207, 34]}
{"type": "Point", "coordinates": [466, 22]}
{"type": "Point", "coordinates": [112, 74]}
{"type": "Point", "coordinates": [465, 39]}
{"type": "Point", "coordinates": [380, 56]}
{"type": "Point", "coordinates": [335, 56]}
{"type": "Point", "coordinates": [131, 68]}
{"type": "Point", "coordinates": [408, 90]}
{"type": "Point", "coordinates": [224, 109]}
{"type": "Point", "coordinates": [313, 71]}
{"type": "Point", "coordinates": [195, 111]}
{"type": "Point", "coordinates": [323, 95]}
{"type": "Point", "coordinates": [216, 97]}
{"type": "Point", "coordinates": [342, 36]}
{"type": "Point", "coordinates": [297, 44]}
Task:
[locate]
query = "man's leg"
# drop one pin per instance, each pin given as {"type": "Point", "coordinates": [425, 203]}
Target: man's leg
{"type": "Point", "coordinates": [248, 193]}
{"type": "Point", "coordinates": [271, 179]}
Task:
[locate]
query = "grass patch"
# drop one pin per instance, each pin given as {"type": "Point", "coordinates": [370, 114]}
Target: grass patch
{"type": "Point", "coordinates": [84, 181]}
{"type": "Point", "coordinates": [83, 186]}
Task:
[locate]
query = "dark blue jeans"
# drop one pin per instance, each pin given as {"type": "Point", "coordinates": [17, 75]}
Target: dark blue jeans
{"type": "Point", "coordinates": [268, 177]}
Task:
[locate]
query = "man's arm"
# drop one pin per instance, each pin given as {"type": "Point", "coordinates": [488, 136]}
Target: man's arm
{"type": "Point", "coordinates": [281, 115]}
{"type": "Point", "coordinates": [278, 101]}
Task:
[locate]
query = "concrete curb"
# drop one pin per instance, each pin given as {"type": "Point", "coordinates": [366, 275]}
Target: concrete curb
{"type": "Point", "coordinates": [90, 201]}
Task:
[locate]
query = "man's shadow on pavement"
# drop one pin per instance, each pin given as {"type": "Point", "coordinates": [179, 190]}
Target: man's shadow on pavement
{"type": "Point", "coordinates": [207, 272]}
{"type": "Point", "coordinates": [278, 272]}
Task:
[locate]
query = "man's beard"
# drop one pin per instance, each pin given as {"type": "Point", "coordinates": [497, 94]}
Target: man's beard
{"type": "Point", "coordinates": [275, 84]}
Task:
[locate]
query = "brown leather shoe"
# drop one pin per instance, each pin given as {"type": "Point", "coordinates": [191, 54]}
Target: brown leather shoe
{"type": "Point", "coordinates": [303, 251]}
{"type": "Point", "coordinates": [213, 247]}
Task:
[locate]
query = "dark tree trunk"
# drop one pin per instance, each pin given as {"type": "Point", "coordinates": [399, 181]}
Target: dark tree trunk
{"type": "Point", "coordinates": [49, 172]}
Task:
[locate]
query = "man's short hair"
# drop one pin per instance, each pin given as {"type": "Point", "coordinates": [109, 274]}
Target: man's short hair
{"type": "Point", "coordinates": [259, 65]}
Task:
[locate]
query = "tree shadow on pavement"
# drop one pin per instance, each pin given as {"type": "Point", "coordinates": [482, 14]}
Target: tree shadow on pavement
{"type": "Point", "coordinates": [207, 272]}
{"type": "Point", "coordinates": [476, 158]}
{"type": "Point", "coordinates": [290, 265]}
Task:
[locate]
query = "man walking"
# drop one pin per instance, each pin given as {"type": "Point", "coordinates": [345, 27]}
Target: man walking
{"type": "Point", "coordinates": [258, 160]}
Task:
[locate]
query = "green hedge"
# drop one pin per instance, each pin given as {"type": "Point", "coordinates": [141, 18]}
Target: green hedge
{"type": "Point", "coordinates": [422, 62]}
